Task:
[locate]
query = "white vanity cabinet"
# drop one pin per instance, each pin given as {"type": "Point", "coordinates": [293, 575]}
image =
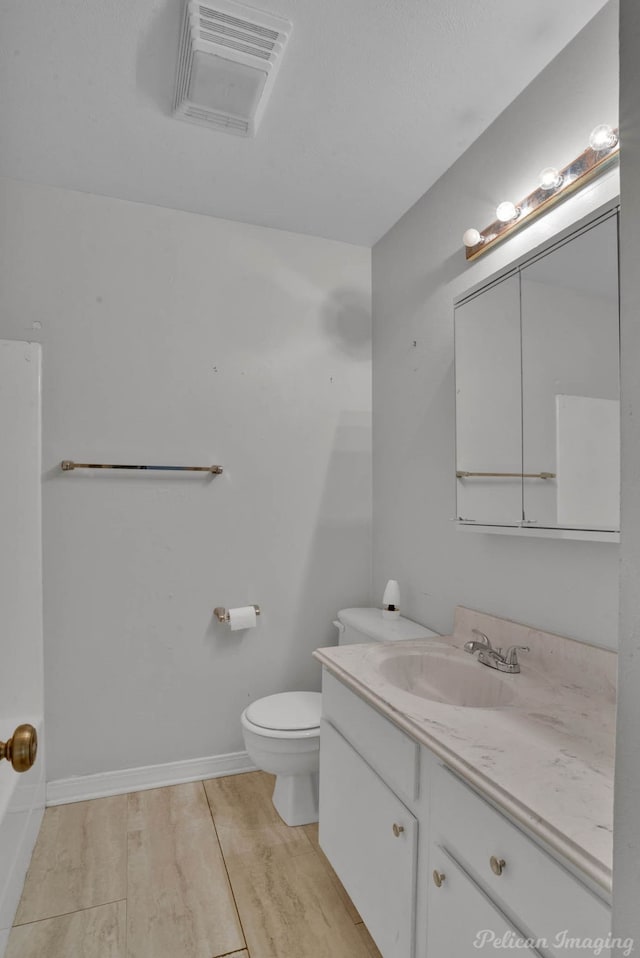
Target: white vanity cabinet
{"type": "Point", "coordinates": [531, 893]}
{"type": "Point", "coordinates": [462, 918]}
{"type": "Point", "coordinates": [371, 839]}
{"type": "Point", "coordinates": [429, 863]}
{"type": "Point", "coordinates": [366, 830]}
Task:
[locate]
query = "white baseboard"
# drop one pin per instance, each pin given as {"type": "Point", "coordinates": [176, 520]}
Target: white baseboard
{"type": "Point", "coordinates": [83, 787]}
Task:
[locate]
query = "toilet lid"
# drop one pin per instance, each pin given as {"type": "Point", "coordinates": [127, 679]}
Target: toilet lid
{"type": "Point", "coordinates": [287, 711]}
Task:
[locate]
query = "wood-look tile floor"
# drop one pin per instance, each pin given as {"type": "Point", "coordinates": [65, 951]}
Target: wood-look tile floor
{"type": "Point", "coordinates": [201, 870]}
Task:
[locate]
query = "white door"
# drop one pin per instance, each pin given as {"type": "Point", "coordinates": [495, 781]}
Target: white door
{"type": "Point", "coordinates": [21, 675]}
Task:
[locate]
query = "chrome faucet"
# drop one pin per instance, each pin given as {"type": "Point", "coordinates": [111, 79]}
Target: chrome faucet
{"type": "Point", "coordinates": [494, 658]}
{"type": "Point", "coordinates": [474, 645]}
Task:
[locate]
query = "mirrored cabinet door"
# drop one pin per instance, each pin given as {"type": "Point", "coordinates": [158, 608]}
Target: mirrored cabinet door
{"type": "Point", "coordinates": [488, 405]}
{"type": "Point", "coordinates": [570, 383]}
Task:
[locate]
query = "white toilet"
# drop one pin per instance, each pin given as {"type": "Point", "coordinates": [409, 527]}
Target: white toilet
{"type": "Point", "coordinates": [282, 732]}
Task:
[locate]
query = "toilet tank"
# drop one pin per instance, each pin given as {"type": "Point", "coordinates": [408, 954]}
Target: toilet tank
{"type": "Point", "coordinates": [367, 625]}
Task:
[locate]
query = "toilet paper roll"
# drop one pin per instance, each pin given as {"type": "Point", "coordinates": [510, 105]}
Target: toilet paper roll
{"type": "Point", "coordinates": [242, 618]}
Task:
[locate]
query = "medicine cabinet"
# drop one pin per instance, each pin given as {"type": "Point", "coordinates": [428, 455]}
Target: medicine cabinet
{"type": "Point", "coordinates": [538, 394]}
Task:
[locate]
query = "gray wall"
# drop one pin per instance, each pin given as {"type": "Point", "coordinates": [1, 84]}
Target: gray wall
{"type": "Point", "coordinates": [626, 832]}
{"type": "Point", "coordinates": [176, 338]}
{"type": "Point", "coordinates": [418, 269]}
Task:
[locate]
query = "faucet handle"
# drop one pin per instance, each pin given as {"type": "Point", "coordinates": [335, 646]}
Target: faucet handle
{"type": "Point", "coordinates": [482, 643]}
{"type": "Point", "coordinates": [511, 655]}
{"type": "Point", "coordinates": [482, 637]}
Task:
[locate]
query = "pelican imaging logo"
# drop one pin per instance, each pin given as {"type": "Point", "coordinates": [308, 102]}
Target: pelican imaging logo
{"type": "Point", "coordinates": [562, 941]}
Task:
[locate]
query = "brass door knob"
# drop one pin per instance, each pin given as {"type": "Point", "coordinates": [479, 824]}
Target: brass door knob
{"type": "Point", "coordinates": [497, 864]}
{"type": "Point", "coordinates": [21, 749]}
{"type": "Point", "coordinates": [438, 878]}
{"type": "Point", "coordinates": [397, 830]}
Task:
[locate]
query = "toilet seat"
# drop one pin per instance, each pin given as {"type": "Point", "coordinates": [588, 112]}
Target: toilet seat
{"type": "Point", "coordinates": [276, 733]}
{"type": "Point", "coordinates": [286, 711]}
{"type": "Point", "coordinates": [285, 715]}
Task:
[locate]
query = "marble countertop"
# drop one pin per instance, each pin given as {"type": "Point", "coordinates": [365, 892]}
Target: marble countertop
{"type": "Point", "coordinates": [546, 759]}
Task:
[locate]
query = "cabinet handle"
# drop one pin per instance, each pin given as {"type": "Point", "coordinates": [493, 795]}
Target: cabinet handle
{"type": "Point", "coordinates": [397, 830]}
{"type": "Point", "coordinates": [497, 864]}
{"type": "Point", "coordinates": [438, 878]}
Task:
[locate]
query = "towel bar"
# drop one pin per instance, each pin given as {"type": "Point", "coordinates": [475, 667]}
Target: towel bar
{"type": "Point", "coordinates": [507, 475]}
{"type": "Point", "coordinates": [67, 465]}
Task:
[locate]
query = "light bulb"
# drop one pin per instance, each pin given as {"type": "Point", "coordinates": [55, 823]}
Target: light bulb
{"type": "Point", "coordinates": [602, 138]}
{"type": "Point", "coordinates": [471, 237]}
{"type": "Point", "coordinates": [507, 211]}
{"type": "Point", "coordinates": [550, 178]}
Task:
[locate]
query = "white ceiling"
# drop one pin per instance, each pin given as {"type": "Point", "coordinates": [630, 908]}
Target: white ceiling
{"type": "Point", "coordinates": [375, 99]}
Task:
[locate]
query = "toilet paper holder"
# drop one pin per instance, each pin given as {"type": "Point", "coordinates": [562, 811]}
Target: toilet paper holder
{"type": "Point", "coordinates": [222, 614]}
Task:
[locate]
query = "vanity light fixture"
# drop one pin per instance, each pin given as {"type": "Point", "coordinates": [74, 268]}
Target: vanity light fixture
{"type": "Point", "coordinates": [603, 137]}
{"type": "Point", "coordinates": [550, 178]}
{"type": "Point", "coordinates": [554, 185]}
{"type": "Point", "coordinates": [506, 212]}
{"type": "Point", "coordinates": [472, 237]}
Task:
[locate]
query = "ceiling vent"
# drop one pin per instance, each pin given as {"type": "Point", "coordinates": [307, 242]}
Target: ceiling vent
{"type": "Point", "coordinates": [227, 63]}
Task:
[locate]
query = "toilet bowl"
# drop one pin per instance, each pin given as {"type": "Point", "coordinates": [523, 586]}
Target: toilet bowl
{"type": "Point", "coordinates": [282, 732]}
{"type": "Point", "coordinates": [282, 736]}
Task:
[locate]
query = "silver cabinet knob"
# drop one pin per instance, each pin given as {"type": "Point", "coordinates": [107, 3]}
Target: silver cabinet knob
{"type": "Point", "coordinates": [397, 829]}
{"type": "Point", "coordinates": [497, 865]}
{"type": "Point", "coordinates": [438, 878]}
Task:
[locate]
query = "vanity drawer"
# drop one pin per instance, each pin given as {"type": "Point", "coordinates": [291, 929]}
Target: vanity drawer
{"type": "Point", "coordinates": [388, 750]}
{"type": "Point", "coordinates": [536, 890]}
{"type": "Point", "coordinates": [463, 919]}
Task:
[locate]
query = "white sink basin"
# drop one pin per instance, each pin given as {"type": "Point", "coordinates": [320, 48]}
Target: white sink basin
{"type": "Point", "coordinates": [448, 676]}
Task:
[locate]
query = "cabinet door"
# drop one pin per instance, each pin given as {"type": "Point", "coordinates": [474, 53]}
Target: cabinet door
{"type": "Point", "coordinates": [570, 382]}
{"type": "Point", "coordinates": [462, 920]}
{"type": "Point", "coordinates": [533, 887]}
{"type": "Point", "coordinates": [358, 813]}
{"type": "Point", "coordinates": [488, 405]}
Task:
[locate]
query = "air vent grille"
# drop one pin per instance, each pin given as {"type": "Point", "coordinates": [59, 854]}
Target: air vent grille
{"type": "Point", "coordinates": [242, 47]}
{"type": "Point", "coordinates": [216, 20]}
{"type": "Point", "coordinates": [222, 120]}
{"type": "Point", "coordinates": [229, 86]}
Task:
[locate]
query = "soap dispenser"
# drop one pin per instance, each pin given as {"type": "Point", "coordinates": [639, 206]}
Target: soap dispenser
{"type": "Point", "coordinates": [391, 600]}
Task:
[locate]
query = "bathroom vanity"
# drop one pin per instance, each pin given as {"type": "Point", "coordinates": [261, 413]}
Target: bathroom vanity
{"type": "Point", "coordinates": [482, 808]}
